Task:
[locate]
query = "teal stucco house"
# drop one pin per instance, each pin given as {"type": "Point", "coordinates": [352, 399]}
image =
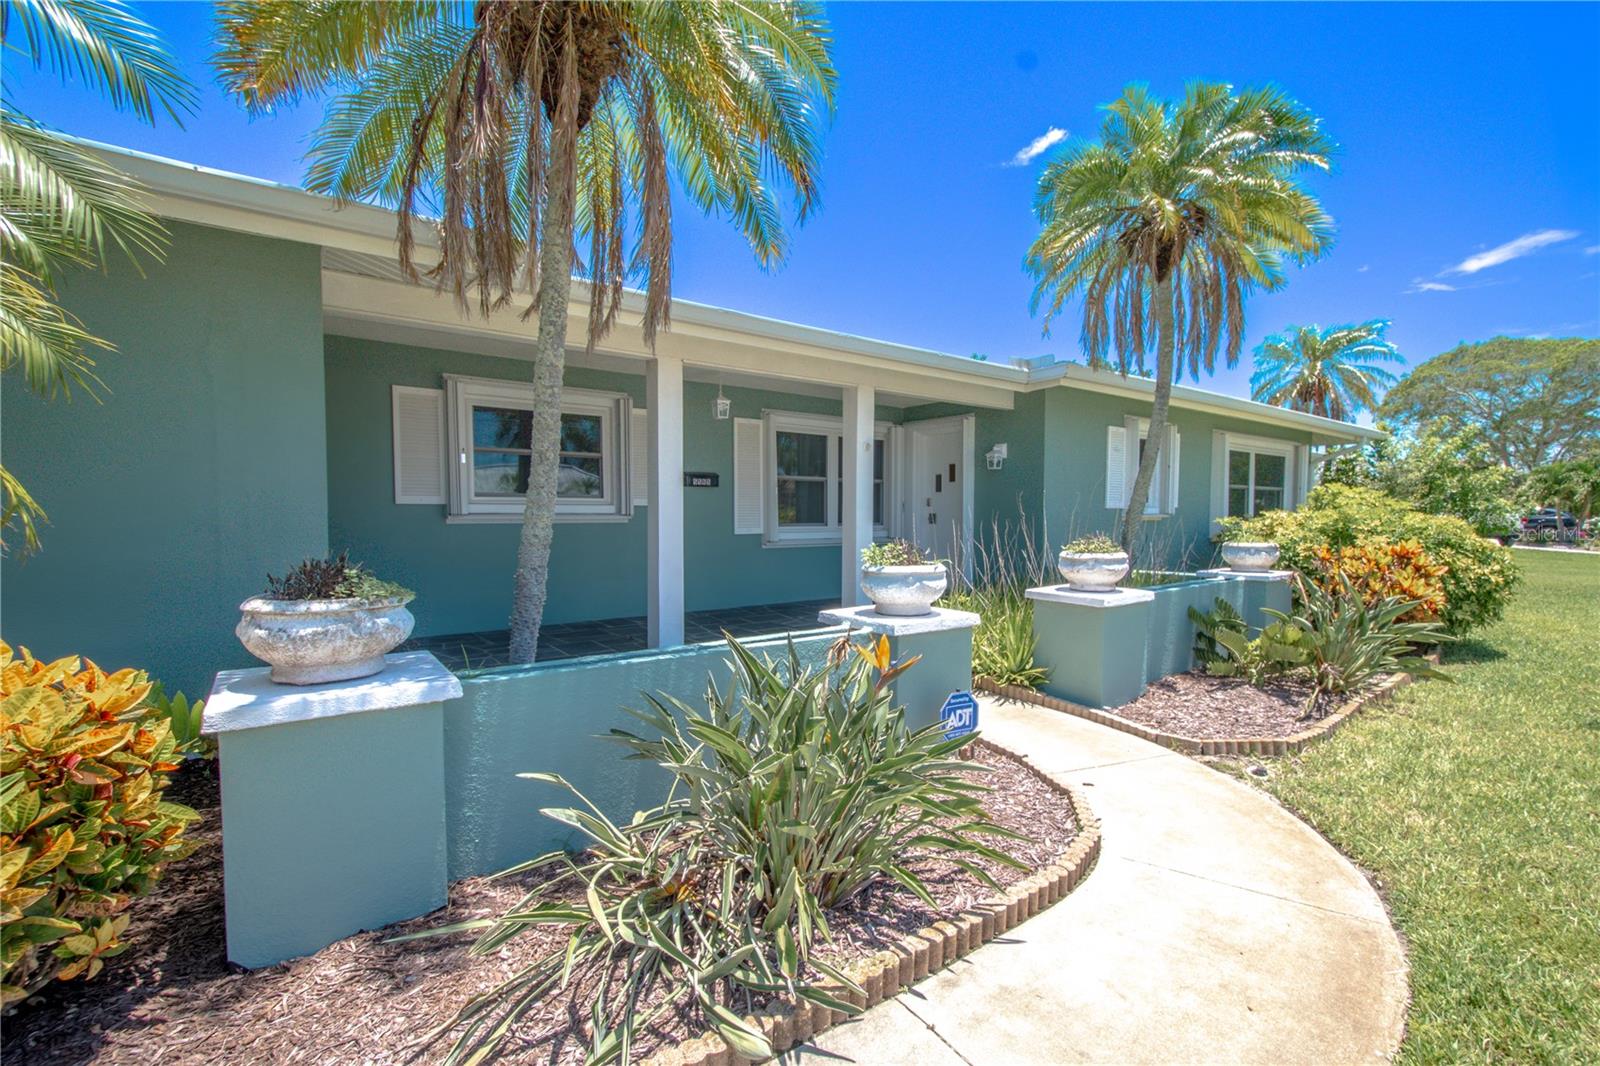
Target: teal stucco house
{"type": "Point", "coordinates": [280, 391]}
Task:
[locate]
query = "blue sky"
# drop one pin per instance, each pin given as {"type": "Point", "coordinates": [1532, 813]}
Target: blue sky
{"type": "Point", "coordinates": [1466, 191]}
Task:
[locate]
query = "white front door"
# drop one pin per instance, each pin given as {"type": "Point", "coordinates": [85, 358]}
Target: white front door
{"type": "Point", "coordinates": [938, 490]}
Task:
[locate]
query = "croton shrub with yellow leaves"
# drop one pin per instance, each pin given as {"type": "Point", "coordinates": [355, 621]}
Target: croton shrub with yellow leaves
{"type": "Point", "coordinates": [83, 826]}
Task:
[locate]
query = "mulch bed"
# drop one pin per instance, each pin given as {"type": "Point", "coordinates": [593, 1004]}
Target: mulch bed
{"type": "Point", "coordinates": [1202, 707]}
{"type": "Point", "coordinates": [174, 998]}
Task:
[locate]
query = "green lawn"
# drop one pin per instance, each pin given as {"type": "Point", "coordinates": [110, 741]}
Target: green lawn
{"type": "Point", "coordinates": [1477, 807]}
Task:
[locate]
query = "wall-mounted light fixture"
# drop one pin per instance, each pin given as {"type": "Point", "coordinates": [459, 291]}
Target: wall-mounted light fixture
{"type": "Point", "coordinates": [995, 456]}
{"type": "Point", "coordinates": [724, 406]}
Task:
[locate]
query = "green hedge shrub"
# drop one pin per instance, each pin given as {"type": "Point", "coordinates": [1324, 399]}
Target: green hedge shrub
{"type": "Point", "coordinates": [1480, 575]}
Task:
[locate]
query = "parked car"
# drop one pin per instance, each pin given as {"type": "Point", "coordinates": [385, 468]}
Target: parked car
{"type": "Point", "coordinates": [1549, 524]}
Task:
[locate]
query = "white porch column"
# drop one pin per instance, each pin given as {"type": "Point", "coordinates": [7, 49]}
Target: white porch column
{"type": "Point", "coordinates": [855, 520]}
{"type": "Point", "coordinates": [664, 399]}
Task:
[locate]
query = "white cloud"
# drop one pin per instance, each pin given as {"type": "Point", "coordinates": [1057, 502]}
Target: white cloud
{"type": "Point", "coordinates": [1431, 286]}
{"type": "Point", "coordinates": [1363, 268]}
{"type": "Point", "coordinates": [1037, 147]}
{"type": "Point", "coordinates": [1593, 249]}
{"type": "Point", "coordinates": [1526, 244]}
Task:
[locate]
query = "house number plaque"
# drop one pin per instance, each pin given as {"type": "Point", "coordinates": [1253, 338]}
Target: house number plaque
{"type": "Point", "coordinates": [699, 481]}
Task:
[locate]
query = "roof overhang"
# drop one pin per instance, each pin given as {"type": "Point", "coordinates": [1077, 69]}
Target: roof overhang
{"type": "Point", "coordinates": [700, 332]}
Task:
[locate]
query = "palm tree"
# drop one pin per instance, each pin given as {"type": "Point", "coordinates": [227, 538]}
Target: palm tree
{"type": "Point", "coordinates": [520, 125]}
{"type": "Point", "coordinates": [62, 207]}
{"type": "Point", "coordinates": [1166, 223]}
{"type": "Point", "coordinates": [1328, 372]}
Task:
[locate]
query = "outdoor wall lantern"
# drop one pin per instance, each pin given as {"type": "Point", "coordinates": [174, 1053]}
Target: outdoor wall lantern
{"type": "Point", "coordinates": [724, 406]}
{"type": "Point", "coordinates": [995, 456]}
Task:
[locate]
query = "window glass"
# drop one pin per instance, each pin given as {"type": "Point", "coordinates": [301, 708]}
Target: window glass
{"type": "Point", "coordinates": [877, 482]}
{"type": "Point", "coordinates": [501, 427]}
{"type": "Point", "coordinates": [582, 473]}
{"type": "Point", "coordinates": [802, 454]}
{"type": "Point", "coordinates": [1239, 503]}
{"type": "Point", "coordinates": [802, 462]}
{"type": "Point", "coordinates": [1271, 475]}
{"type": "Point", "coordinates": [1239, 470]}
{"type": "Point", "coordinates": [500, 473]}
{"type": "Point", "coordinates": [502, 453]}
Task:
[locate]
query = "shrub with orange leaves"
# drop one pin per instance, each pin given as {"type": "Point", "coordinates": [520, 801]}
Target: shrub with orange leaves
{"type": "Point", "coordinates": [83, 825]}
{"type": "Point", "coordinates": [1379, 570]}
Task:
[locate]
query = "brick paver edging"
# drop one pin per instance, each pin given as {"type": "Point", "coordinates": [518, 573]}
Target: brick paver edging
{"type": "Point", "coordinates": [787, 1022]}
{"type": "Point", "coordinates": [1221, 746]}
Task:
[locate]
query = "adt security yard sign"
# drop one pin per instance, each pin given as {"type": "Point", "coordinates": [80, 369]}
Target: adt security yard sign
{"type": "Point", "coordinates": [959, 714]}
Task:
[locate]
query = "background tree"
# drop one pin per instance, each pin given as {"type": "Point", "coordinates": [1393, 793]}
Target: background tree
{"type": "Point", "coordinates": [62, 207]}
{"type": "Point", "coordinates": [1438, 474]}
{"type": "Point", "coordinates": [1535, 401]}
{"type": "Point", "coordinates": [522, 125]}
{"type": "Point", "coordinates": [1330, 372]}
{"type": "Point", "coordinates": [1166, 222]}
{"type": "Point", "coordinates": [1573, 485]}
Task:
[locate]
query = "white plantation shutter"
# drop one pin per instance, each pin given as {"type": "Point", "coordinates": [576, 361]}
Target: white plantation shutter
{"type": "Point", "coordinates": [1173, 449]}
{"type": "Point", "coordinates": [749, 476]}
{"type": "Point", "coordinates": [639, 457]}
{"type": "Point", "coordinates": [419, 466]}
{"type": "Point", "coordinates": [1116, 467]}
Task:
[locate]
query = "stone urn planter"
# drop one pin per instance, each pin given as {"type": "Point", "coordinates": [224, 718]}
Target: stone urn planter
{"type": "Point", "coordinates": [1250, 557]}
{"type": "Point", "coordinates": [904, 590]}
{"type": "Point", "coordinates": [1093, 564]}
{"type": "Point", "coordinates": [900, 580]}
{"type": "Point", "coordinates": [324, 621]}
{"type": "Point", "coordinates": [310, 642]}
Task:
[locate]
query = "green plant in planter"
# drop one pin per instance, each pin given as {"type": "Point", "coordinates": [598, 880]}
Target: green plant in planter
{"type": "Point", "coordinates": [894, 553]}
{"type": "Point", "coordinates": [794, 789]}
{"type": "Point", "coordinates": [1093, 544]}
{"type": "Point", "coordinates": [334, 579]}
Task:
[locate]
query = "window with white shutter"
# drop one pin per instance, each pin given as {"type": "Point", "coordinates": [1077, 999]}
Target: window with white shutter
{"type": "Point", "coordinates": [1116, 467]}
{"type": "Point", "coordinates": [1122, 467]}
{"type": "Point", "coordinates": [419, 452]}
{"type": "Point", "coordinates": [639, 456]}
{"type": "Point", "coordinates": [1173, 450]}
{"type": "Point", "coordinates": [749, 476]}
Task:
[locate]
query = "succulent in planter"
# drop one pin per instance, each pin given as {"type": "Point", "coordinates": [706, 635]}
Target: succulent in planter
{"type": "Point", "coordinates": [900, 578]}
{"type": "Point", "coordinates": [325, 620]}
{"type": "Point", "coordinates": [1094, 563]}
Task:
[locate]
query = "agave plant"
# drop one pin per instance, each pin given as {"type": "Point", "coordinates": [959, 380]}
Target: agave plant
{"type": "Point", "coordinates": [1350, 640]}
{"type": "Point", "coordinates": [793, 790]}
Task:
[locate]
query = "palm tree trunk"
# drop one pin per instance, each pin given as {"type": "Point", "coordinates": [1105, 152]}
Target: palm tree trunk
{"type": "Point", "coordinates": [549, 365]}
{"type": "Point", "coordinates": [1132, 518]}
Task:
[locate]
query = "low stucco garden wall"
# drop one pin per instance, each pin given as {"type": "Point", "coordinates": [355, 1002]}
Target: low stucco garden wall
{"type": "Point", "coordinates": [554, 717]}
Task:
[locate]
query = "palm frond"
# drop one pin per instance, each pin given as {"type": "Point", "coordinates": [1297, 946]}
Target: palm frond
{"type": "Point", "coordinates": [1335, 372]}
{"type": "Point", "coordinates": [106, 45]}
{"type": "Point", "coordinates": [61, 204]}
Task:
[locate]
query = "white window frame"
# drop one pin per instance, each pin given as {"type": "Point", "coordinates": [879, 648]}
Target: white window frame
{"type": "Point", "coordinates": [833, 429]}
{"type": "Point", "coordinates": [614, 409]}
{"type": "Point", "coordinates": [1255, 446]}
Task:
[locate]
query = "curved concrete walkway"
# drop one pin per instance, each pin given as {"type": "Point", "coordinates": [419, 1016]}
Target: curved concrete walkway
{"type": "Point", "coordinates": [1217, 927]}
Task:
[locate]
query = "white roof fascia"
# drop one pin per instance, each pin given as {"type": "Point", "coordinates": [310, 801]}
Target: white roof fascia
{"type": "Point", "coordinates": [207, 196]}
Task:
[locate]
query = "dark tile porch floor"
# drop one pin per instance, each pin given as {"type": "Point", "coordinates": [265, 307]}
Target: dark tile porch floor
{"type": "Point", "coordinates": [569, 640]}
